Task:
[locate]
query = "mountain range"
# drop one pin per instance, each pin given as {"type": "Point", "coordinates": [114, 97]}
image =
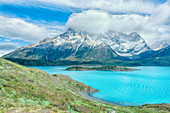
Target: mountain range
{"type": "Point", "coordinates": [84, 46]}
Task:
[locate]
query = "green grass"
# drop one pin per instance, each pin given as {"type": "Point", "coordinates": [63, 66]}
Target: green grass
{"type": "Point", "coordinates": [25, 89]}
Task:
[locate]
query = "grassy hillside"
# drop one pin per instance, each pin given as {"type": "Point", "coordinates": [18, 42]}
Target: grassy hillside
{"type": "Point", "coordinates": [24, 89]}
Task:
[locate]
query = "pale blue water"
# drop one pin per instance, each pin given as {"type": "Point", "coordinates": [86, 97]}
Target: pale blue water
{"type": "Point", "coordinates": [150, 85]}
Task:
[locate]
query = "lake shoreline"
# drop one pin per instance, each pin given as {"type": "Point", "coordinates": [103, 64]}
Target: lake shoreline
{"type": "Point", "coordinates": [87, 96]}
{"type": "Point", "coordinates": [144, 72]}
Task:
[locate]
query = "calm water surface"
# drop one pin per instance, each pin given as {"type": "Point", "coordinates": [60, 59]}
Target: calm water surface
{"type": "Point", "coordinates": [149, 85]}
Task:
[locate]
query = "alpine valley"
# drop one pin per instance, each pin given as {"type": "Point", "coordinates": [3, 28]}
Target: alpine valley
{"type": "Point", "coordinates": [83, 46]}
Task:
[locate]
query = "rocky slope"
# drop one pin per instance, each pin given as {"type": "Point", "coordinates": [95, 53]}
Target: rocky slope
{"type": "Point", "coordinates": [126, 45]}
{"type": "Point", "coordinates": [73, 45]}
{"type": "Point", "coordinates": [28, 90]}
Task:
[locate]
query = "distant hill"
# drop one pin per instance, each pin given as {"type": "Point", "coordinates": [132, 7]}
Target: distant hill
{"type": "Point", "coordinates": [153, 61]}
{"type": "Point", "coordinates": [31, 90]}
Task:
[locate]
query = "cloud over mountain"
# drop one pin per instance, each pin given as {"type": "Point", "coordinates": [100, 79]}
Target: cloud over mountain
{"type": "Point", "coordinates": [150, 18]}
{"type": "Point", "coordinates": [97, 21]}
{"type": "Point", "coordinates": [151, 27]}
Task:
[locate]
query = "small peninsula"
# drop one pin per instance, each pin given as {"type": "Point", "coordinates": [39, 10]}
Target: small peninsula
{"type": "Point", "coordinates": [99, 68]}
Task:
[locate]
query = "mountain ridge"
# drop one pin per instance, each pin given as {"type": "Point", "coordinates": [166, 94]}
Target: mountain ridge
{"type": "Point", "coordinates": [73, 45]}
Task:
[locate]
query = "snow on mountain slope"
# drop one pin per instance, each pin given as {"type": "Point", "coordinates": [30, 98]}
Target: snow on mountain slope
{"type": "Point", "coordinates": [73, 45]}
{"type": "Point", "coordinates": [125, 45]}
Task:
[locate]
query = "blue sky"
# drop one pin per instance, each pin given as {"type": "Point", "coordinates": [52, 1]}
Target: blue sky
{"type": "Point", "coordinates": [33, 14]}
{"type": "Point", "coordinates": [23, 22]}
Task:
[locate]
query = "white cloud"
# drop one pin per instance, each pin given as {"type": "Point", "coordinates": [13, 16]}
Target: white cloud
{"type": "Point", "coordinates": [154, 27]}
{"type": "Point", "coordinates": [151, 28]}
{"type": "Point", "coordinates": [3, 52]}
{"type": "Point", "coordinates": [6, 48]}
{"type": "Point", "coordinates": [97, 21]}
{"type": "Point", "coordinates": [117, 6]}
{"type": "Point", "coordinates": [7, 40]}
{"type": "Point", "coordinates": [90, 21]}
{"type": "Point", "coordinates": [162, 14]}
{"type": "Point", "coordinates": [114, 6]}
{"type": "Point", "coordinates": [16, 28]}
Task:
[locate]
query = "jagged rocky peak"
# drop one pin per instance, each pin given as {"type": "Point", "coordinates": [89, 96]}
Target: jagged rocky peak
{"type": "Point", "coordinates": [134, 34]}
{"type": "Point", "coordinates": [125, 45]}
{"type": "Point", "coordinates": [46, 40]}
{"type": "Point", "coordinates": [70, 31]}
{"type": "Point", "coordinates": [134, 37]}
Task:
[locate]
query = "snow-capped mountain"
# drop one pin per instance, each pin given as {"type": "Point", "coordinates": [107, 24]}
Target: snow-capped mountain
{"type": "Point", "coordinates": [160, 45]}
{"type": "Point", "coordinates": [125, 45]}
{"type": "Point", "coordinates": [73, 45]}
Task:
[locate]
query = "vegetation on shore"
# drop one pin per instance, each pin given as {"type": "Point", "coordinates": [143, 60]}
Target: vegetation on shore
{"type": "Point", "coordinates": [31, 90]}
{"type": "Point", "coordinates": [99, 68]}
{"type": "Point", "coordinates": [157, 61]}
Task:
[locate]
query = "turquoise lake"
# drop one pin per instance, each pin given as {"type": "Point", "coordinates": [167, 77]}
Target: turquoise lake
{"type": "Point", "coordinates": [149, 85]}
